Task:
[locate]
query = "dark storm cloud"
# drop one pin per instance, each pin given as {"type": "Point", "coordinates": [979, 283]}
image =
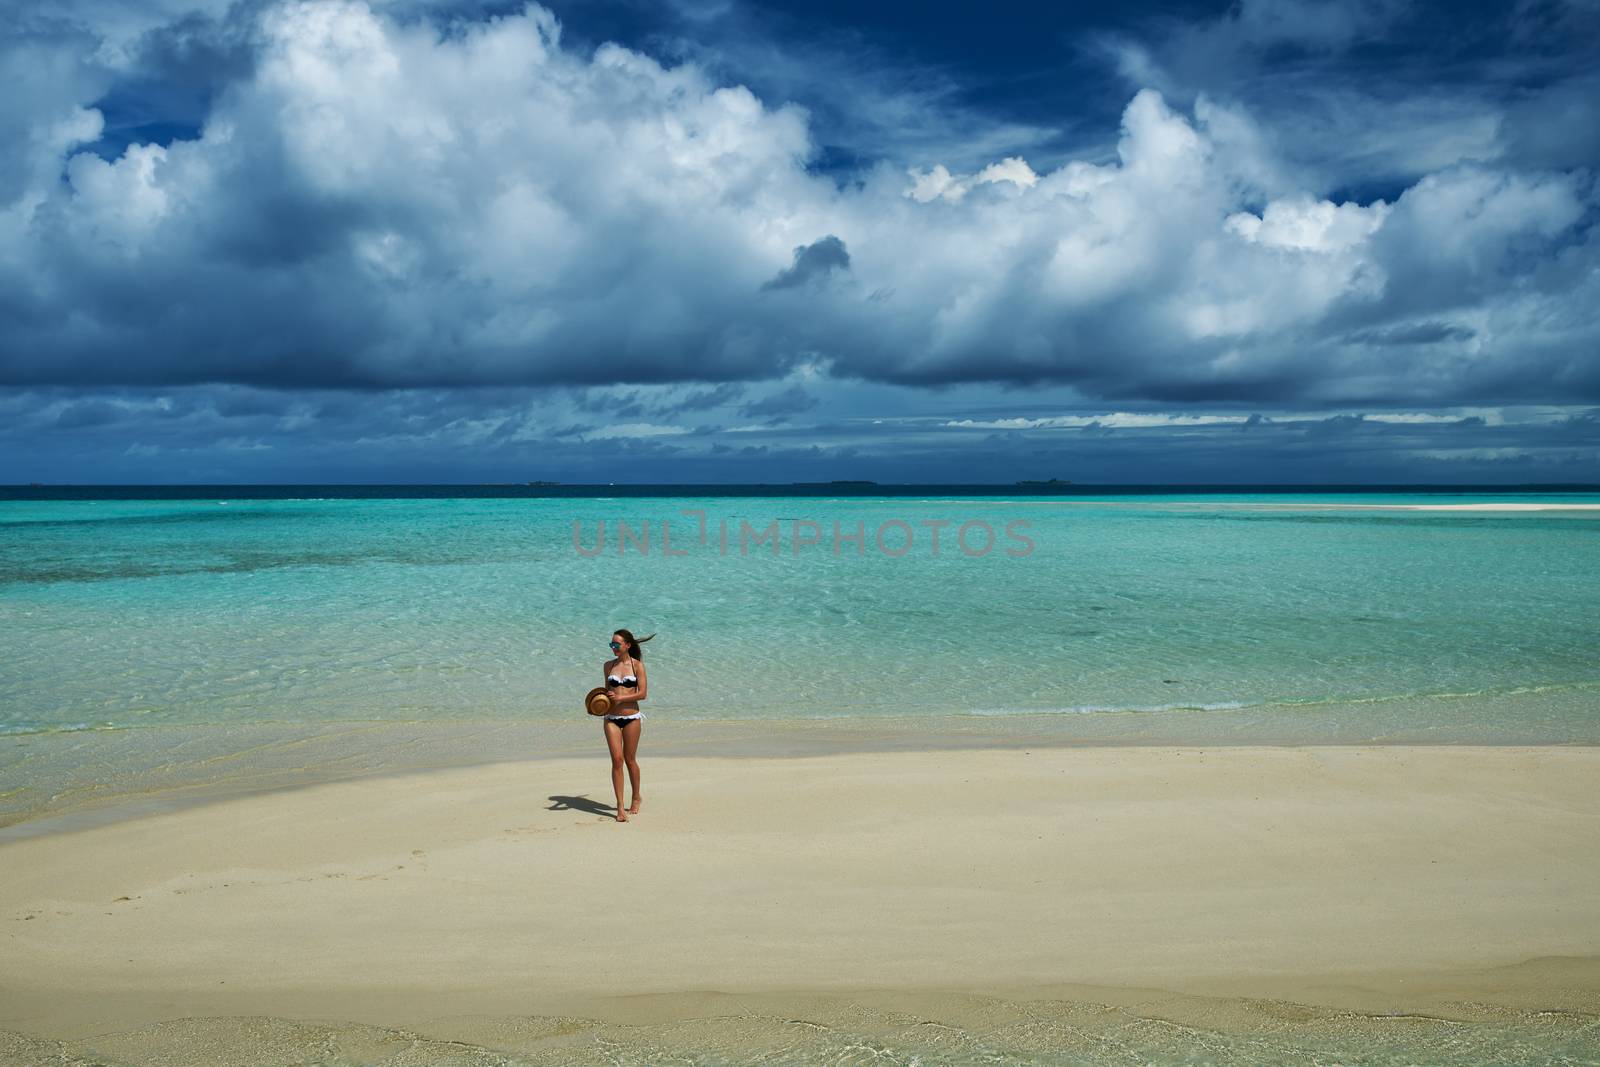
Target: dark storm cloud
{"type": "Point", "coordinates": [85, 413]}
{"type": "Point", "coordinates": [704, 399]}
{"type": "Point", "coordinates": [629, 402]}
{"type": "Point", "coordinates": [1421, 333]}
{"type": "Point", "coordinates": [813, 264]}
{"type": "Point", "coordinates": [780, 405]}
{"type": "Point", "coordinates": [233, 433]}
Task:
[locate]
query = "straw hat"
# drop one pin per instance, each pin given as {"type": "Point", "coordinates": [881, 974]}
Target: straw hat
{"type": "Point", "coordinates": [598, 701]}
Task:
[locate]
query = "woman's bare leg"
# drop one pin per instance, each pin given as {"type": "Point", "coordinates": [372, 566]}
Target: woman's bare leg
{"type": "Point", "coordinates": [630, 746]}
{"type": "Point", "coordinates": [614, 743]}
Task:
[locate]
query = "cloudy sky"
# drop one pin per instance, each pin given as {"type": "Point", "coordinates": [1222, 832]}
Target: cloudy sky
{"type": "Point", "coordinates": [714, 241]}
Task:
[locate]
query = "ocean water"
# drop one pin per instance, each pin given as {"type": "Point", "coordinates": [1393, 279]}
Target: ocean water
{"type": "Point", "coordinates": [430, 624]}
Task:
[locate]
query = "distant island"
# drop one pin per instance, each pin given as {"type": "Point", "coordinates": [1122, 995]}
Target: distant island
{"type": "Point", "coordinates": [837, 481]}
{"type": "Point", "coordinates": [1052, 481]}
{"type": "Point", "coordinates": [541, 483]}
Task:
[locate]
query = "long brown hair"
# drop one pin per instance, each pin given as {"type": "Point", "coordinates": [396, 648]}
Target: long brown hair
{"type": "Point", "coordinates": [630, 645]}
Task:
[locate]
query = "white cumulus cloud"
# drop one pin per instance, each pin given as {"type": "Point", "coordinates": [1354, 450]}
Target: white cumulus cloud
{"type": "Point", "coordinates": [381, 202]}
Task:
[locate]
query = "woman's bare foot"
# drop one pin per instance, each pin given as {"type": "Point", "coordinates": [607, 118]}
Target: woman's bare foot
{"type": "Point", "coordinates": [622, 816]}
{"type": "Point", "coordinates": [633, 808]}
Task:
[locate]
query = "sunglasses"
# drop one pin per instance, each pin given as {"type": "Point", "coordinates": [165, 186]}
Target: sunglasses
{"type": "Point", "coordinates": [615, 647]}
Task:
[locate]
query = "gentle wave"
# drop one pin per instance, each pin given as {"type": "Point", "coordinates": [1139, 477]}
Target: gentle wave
{"type": "Point", "coordinates": [868, 717]}
{"type": "Point", "coordinates": [1334, 701]}
{"type": "Point", "coordinates": [1093, 709]}
{"type": "Point", "coordinates": [17, 728]}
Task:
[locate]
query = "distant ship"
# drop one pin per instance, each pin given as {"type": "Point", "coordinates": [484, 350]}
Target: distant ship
{"type": "Point", "coordinates": [1052, 481]}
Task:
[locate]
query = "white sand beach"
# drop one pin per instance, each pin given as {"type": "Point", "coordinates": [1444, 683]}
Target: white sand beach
{"type": "Point", "coordinates": [1372, 878]}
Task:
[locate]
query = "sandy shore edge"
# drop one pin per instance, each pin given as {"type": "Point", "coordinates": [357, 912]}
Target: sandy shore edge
{"type": "Point", "coordinates": [1366, 878]}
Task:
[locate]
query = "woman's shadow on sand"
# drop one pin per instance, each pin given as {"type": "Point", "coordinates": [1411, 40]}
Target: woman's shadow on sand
{"type": "Point", "coordinates": [593, 807]}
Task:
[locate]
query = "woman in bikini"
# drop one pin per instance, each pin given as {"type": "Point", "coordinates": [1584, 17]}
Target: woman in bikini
{"type": "Point", "coordinates": [627, 685]}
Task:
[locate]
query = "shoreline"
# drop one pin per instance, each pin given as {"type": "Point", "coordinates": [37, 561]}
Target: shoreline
{"type": "Point", "coordinates": [59, 781]}
{"type": "Point", "coordinates": [126, 807]}
{"type": "Point", "coordinates": [1369, 878]}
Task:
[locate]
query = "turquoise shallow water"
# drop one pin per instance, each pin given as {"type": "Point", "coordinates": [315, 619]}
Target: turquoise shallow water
{"type": "Point", "coordinates": [158, 650]}
{"type": "Point", "coordinates": [228, 611]}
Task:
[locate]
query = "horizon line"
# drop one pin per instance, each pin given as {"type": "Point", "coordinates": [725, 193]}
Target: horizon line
{"type": "Point", "coordinates": [843, 483]}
